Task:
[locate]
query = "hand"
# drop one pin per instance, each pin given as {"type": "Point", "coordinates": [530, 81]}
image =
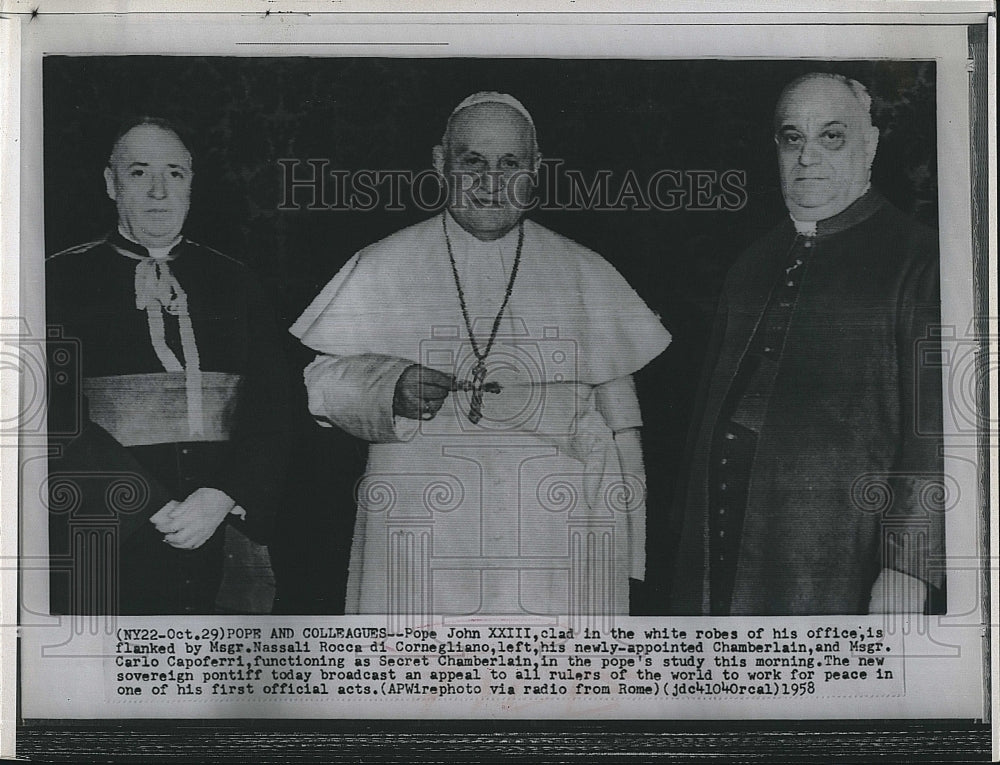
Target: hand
{"type": "Point", "coordinates": [192, 522]}
{"type": "Point", "coordinates": [420, 392]}
{"type": "Point", "coordinates": [897, 593]}
{"type": "Point", "coordinates": [161, 518]}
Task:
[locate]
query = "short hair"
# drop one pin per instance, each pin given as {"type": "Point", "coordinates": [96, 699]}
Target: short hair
{"type": "Point", "coordinates": [860, 91]}
{"type": "Point", "coordinates": [161, 122]}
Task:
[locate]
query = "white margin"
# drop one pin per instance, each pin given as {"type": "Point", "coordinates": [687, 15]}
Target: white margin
{"type": "Point", "coordinates": [993, 365]}
{"type": "Point", "coordinates": [10, 183]}
{"type": "Point", "coordinates": [10, 64]}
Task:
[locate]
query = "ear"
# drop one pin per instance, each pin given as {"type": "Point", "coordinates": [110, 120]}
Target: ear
{"type": "Point", "coordinates": [437, 159]}
{"type": "Point", "coordinates": [109, 183]}
{"type": "Point", "coordinates": [871, 145]}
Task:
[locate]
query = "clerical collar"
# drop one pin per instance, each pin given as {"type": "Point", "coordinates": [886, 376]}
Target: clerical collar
{"type": "Point", "coordinates": [861, 209]}
{"type": "Point", "coordinates": [124, 242]}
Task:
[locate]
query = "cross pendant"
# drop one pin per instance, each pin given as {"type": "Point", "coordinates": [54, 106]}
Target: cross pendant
{"type": "Point", "coordinates": [476, 386]}
{"type": "Point", "coordinates": [476, 404]}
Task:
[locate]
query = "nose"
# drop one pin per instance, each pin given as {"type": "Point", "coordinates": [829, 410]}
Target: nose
{"type": "Point", "coordinates": [810, 154]}
{"type": "Point", "coordinates": [157, 187]}
{"type": "Point", "coordinates": [492, 180]}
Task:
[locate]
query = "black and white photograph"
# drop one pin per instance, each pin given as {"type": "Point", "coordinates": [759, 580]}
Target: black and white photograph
{"type": "Point", "coordinates": [580, 381]}
{"type": "Point", "coordinates": [465, 506]}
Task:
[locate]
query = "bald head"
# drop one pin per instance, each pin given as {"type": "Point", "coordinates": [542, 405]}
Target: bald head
{"type": "Point", "coordinates": [146, 126]}
{"type": "Point", "coordinates": [825, 83]}
{"type": "Point", "coordinates": [826, 144]}
{"type": "Point", "coordinates": [505, 116]}
{"type": "Point", "coordinates": [488, 155]}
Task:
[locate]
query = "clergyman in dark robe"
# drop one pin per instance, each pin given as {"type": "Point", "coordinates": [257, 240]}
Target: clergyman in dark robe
{"type": "Point", "coordinates": [169, 445]}
{"type": "Point", "coordinates": [814, 483]}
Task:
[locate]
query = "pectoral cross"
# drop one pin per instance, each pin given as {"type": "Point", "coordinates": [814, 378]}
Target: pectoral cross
{"type": "Point", "coordinates": [476, 386]}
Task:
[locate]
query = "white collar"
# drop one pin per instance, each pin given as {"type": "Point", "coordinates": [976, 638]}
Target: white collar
{"type": "Point", "coordinates": [160, 253]}
{"type": "Point", "coordinates": [805, 227]}
{"type": "Point", "coordinates": [808, 227]}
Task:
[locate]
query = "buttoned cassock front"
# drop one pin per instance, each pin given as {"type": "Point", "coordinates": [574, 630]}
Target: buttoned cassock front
{"type": "Point", "coordinates": [844, 473]}
{"type": "Point", "coordinates": [527, 511]}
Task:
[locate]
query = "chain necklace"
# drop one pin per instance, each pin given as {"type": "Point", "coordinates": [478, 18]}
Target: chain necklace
{"type": "Point", "coordinates": [478, 383]}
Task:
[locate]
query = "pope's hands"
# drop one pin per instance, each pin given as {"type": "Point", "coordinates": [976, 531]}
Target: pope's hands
{"type": "Point", "coordinates": [420, 392]}
{"type": "Point", "coordinates": [189, 524]}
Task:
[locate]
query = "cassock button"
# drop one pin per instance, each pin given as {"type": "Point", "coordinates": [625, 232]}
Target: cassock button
{"type": "Point", "coordinates": [722, 486]}
{"type": "Point", "coordinates": [722, 511]}
{"type": "Point", "coordinates": [768, 349]}
{"type": "Point", "coordinates": [789, 283]}
{"type": "Point", "coordinates": [730, 436]}
{"type": "Point", "coordinates": [721, 534]}
{"type": "Point", "coordinates": [724, 461]}
{"type": "Point", "coordinates": [185, 450]}
{"type": "Point", "coordinates": [808, 243]}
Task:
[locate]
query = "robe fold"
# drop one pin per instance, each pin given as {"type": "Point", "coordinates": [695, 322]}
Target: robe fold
{"type": "Point", "coordinates": [528, 511]}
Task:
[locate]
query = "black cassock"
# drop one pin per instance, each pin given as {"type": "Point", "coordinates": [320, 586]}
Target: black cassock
{"type": "Point", "coordinates": [149, 401]}
{"type": "Point", "coordinates": [815, 459]}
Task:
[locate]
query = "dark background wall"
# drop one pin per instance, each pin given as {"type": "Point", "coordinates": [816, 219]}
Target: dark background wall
{"type": "Point", "coordinates": [244, 114]}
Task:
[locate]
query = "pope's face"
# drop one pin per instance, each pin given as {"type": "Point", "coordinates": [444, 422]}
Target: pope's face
{"type": "Point", "coordinates": [825, 149]}
{"type": "Point", "coordinates": [149, 178]}
{"type": "Point", "coordinates": [488, 160]}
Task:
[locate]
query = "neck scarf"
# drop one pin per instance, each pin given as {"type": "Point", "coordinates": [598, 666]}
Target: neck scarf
{"type": "Point", "coordinates": [157, 292]}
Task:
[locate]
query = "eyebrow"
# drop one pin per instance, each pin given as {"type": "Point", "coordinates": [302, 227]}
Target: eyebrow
{"type": "Point", "coordinates": [790, 126]}
{"type": "Point", "coordinates": [146, 164]}
{"type": "Point", "coordinates": [475, 153]}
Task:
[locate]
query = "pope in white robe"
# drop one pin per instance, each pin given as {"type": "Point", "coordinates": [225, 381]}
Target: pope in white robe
{"type": "Point", "coordinates": [488, 361]}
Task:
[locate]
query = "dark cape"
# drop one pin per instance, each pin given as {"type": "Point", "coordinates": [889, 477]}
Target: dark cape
{"type": "Point", "coordinates": [846, 476]}
{"type": "Point", "coordinates": [119, 444]}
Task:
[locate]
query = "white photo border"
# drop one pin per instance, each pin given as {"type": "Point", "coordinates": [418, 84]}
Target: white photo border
{"type": "Point", "coordinates": [250, 35]}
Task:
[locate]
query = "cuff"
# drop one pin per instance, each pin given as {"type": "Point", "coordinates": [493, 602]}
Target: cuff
{"type": "Point", "coordinates": [404, 427]}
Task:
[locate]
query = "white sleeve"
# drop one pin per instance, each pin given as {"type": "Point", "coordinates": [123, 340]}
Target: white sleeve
{"type": "Point", "coordinates": [355, 394]}
{"type": "Point", "coordinates": [634, 475]}
{"type": "Point", "coordinates": [617, 402]}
